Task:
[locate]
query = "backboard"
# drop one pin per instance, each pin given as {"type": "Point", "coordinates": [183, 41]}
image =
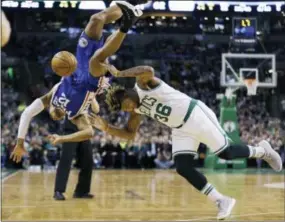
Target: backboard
{"type": "Point", "coordinates": [237, 67]}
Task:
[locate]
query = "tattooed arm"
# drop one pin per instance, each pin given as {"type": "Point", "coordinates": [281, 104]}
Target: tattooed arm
{"type": "Point", "coordinates": [145, 73]}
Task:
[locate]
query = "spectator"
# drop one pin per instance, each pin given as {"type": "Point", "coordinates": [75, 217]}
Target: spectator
{"type": "Point", "coordinates": [36, 154]}
{"type": "Point", "coordinates": [192, 67]}
{"type": "Point", "coordinates": [163, 160]}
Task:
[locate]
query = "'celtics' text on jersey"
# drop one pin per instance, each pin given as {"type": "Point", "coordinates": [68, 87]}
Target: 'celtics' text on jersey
{"type": "Point", "coordinates": [164, 104]}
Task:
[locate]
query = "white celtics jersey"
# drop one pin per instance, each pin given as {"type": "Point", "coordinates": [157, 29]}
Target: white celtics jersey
{"type": "Point", "coordinates": [164, 104]}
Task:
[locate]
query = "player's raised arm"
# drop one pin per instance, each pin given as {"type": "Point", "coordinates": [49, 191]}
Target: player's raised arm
{"type": "Point", "coordinates": [128, 132]}
{"type": "Point", "coordinates": [32, 110]}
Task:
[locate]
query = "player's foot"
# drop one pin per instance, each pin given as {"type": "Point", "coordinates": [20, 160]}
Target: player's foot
{"type": "Point", "coordinates": [130, 15]}
{"type": "Point", "coordinates": [225, 206]}
{"type": "Point", "coordinates": [129, 9]}
{"type": "Point", "coordinates": [58, 196]}
{"type": "Point", "coordinates": [84, 196]}
{"type": "Point", "coordinates": [271, 156]}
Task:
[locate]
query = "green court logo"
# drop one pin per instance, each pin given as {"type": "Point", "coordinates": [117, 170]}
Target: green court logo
{"type": "Point", "coordinates": [229, 126]}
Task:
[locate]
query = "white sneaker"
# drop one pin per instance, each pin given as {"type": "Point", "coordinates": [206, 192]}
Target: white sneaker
{"type": "Point", "coordinates": [271, 156]}
{"type": "Point", "coordinates": [225, 207]}
{"type": "Point", "coordinates": [137, 12]}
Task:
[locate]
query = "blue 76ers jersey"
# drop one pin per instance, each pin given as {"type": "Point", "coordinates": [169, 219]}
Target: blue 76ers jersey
{"type": "Point", "coordinates": [75, 92]}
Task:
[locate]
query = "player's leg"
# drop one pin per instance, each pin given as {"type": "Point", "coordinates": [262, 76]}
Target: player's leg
{"type": "Point", "coordinates": [97, 21]}
{"type": "Point", "coordinates": [184, 149]}
{"type": "Point", "coordinates": [114, 42]}
{"type": "Point", "coordinates": [262, 151]}
{"type": "Point", "coordinates": [221, 145]}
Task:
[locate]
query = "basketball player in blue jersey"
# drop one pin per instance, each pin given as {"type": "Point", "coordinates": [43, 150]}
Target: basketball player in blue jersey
{"type": "Point", "coordinates": [73, 96]}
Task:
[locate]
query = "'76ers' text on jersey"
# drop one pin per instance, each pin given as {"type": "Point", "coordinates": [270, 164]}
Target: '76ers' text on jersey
{"type": "Point", "coordinates": [74, 93]}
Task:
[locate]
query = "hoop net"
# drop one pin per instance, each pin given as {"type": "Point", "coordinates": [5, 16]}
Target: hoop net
{"type": "Point", "coordinates": [251, 85]}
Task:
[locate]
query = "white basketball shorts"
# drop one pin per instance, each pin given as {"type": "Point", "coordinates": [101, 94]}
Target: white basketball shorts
{"type": "Point", "coordinates": [201, 127]}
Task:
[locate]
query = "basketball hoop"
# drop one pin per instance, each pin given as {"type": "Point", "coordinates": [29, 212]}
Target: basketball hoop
{"type": "Point", "coordinates": [251, 85]}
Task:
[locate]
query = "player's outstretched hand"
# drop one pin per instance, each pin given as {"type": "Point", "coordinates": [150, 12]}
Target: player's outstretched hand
{"type": "Point", "coordinates": [98, 122]}
{"type": "Point", "coordinates": [54, 139]}
{"type": "Point", "coordinates": [18, 152]}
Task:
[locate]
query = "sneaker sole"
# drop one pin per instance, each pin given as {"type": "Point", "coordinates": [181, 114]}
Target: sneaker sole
{"type": "Point", "coordinates": [229, 211]}
{"type": "Point", "coordinates": [268, 148]}
{"type": "Point", "coordinates": [137, 12]}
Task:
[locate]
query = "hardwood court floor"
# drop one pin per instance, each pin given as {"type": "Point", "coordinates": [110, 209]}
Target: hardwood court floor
{"type": "Point", "coordinates": [142, 195]}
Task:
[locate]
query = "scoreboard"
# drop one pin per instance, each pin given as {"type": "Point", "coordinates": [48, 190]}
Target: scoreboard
{"type": "Point", "coordinates": [244, 29]}
{"type": "Point", "coordinates": [157, 5]}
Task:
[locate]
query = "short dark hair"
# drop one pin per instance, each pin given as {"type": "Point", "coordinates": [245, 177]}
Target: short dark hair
{"type": "Point", "coordinates": [114, 97]}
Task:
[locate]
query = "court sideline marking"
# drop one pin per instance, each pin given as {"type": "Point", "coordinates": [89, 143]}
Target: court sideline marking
{"type": "Point", "coordinates": [275, 185]}
{"type": "Point", "coordinates": [9, 176]}
{"type": "Point", "coordinates": [234, 216]}
{"type": "Point", "coordinates": [196, 219]}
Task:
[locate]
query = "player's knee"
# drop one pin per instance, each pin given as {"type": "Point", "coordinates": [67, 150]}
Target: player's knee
{"type": "Point", "coordinates": [94, 26]}
{"type": "Point", "coordinates": [98, 18]}
{"type": "Point", "coordinates": [184, 163]}
{"type": "Point", "coordinates": [226, 154]}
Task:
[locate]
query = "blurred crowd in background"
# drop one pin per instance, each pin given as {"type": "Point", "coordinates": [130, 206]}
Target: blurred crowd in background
{"type": "Point", "coordinates": [193, 67]}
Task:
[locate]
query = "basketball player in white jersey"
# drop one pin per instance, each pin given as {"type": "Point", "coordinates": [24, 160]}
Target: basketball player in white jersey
{"type": "Point", "coordinates": [192, 123]}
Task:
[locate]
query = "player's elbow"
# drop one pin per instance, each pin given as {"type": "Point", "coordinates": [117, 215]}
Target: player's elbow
{"type": "Point", "coordinates": [95, 64]}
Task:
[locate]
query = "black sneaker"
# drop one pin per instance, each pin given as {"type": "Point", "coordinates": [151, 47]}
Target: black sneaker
{"type": "Point", "coordinates": [130, 15]}
{"type": "Point", "coordinates": [58, 196]}
{"type": "Point", "coordinates": [84, 196]}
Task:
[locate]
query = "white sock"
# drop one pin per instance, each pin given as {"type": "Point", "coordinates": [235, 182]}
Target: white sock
{"type": "Point", "coordinates": [212, 193]}
{"type": "Point", "coordinates": [256, 152]}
